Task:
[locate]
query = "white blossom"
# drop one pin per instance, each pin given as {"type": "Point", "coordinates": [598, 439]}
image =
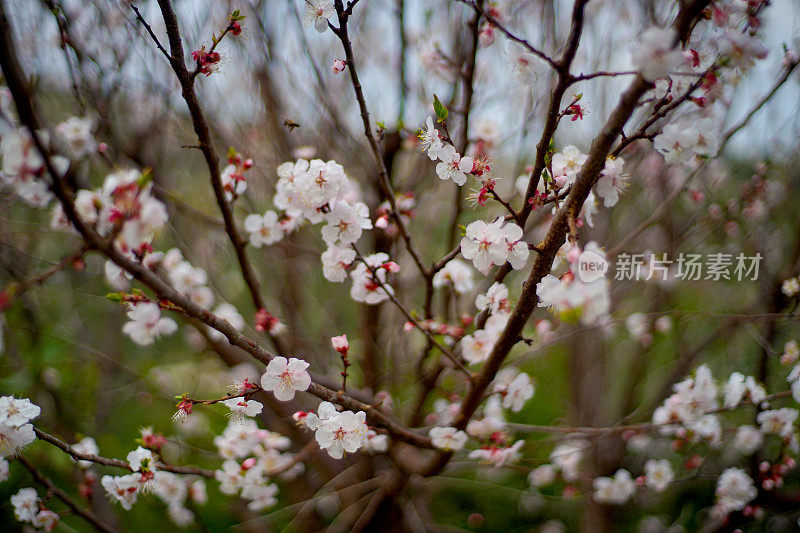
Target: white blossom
{"type": "Point", "coordinates": [734, 490]}
{"type": "Point", "coordinates": [790, 287]}
{"type": "Point", "coordinates": [76, 132]}
{"type": "Point", "coordinates": [338, 432]}
{"type": "Point", "coordinates": [495, 299]}
{"type": "Point", "coordinates": [345, 223]}
{"type": "Point", "coordinates": [26, 504]}
{"type": "Point", "coordinates": [656, 55]}
{"type": "Point", "coordinates": [146, 323]}
{"type": "Point", "coordinates": [566, 163]}
{"type": "Point", "coordinates": [453, 166]}
{"type": "Point", "coordinates": [658, 474]}
{"type": "Point", "coordinates": [747, 440]}
{"type": "Point", "coordinates": [283, 377]}
{"type": "Point", "coordinates": [458, 274]}
{"type": "Point", "coordinates": [515, 387]}
{"type": "Point", "coordinates": [614, 490]}
{"type": "Point", "coordinates": [15, 412]}
{"type": "Point", "coordinates": [447, 438]}
{"type": "Point", "coordinates": [567, 456]}
{"type": "Point", "coordinates": [13, 439]}
{"type": "Point", "coordinates": [318, 12]}
{"type": "Point", "coordinates": [498, 456]}
{"type": "Point", "coordinates": [335, 261]}
{"type": "Point", "coordinates": [142, 460]}
{"type": "Point", "coordinates": [87, 445]}
{"type": "Point", "coordinates": [263, 229]}
{"type": "Point", "coordinates": [612, 181]}
{"type": "Point", "coordinates": [45, 519]}
{"type": "Point", "coordinates": [227, 312]}
{"type": "Point", "coordinates": [122, 489]}
{"type": "Point", "coordinates": [430, 141]}
{"type": "Point", "coordinates": [778, 421]}
{"type": "Point", "coordinates": [543, 475]}
{"type": "Point", "coordinates": [241, 408]}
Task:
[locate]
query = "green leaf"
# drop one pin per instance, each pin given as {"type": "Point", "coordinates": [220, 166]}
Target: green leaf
{"type": "Point", "coordinates": [115, 296]}
{"type": "Point", "coordinates": [440, 109]}
{"type": "Point", "coordinates": [145, 178]}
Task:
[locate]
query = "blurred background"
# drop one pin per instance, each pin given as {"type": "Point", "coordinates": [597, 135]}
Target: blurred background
{"type": "Point", "coordinates": [62, 345]}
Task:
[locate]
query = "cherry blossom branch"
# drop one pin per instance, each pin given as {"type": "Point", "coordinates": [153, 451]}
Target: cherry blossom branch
{"type": "Point", "coordinates": [16, 289]}
{"type": "Point", "coordinates": [553, 108]}
{"type": "Point", "coordinates": [622, 428]}
{"type": "Point", "coordinates": [343, 16]}
{"type": "Point", "coordinates": [511, 211]}
{"type": "Point", "coordinates": [412, 319]}
{"type": "Point", "coordinates": [251, 390]}
{"type": "Point", "coordinates": [216, 40]}
{"type": "Point", "coordinates": [86, 514]}
{"type": "Point", "coordinates": [186, 80]}
{"type": "Point", "coordinates": [587, 176]}
{"type": "Point", "coordinates": [532, 49]}
{"type": "Point", "coordinates": [23, 100]}
{"type": "Point", "coordinates": [665, 205]}
{"type": "Point", "coordinates": [603, 73]}
{"type": "Point", "coordinates": [152, 35]}
{"type": "Point", "coordinates": [467, 78]}
{"type": "Point", "coordinates": [757, 107]}
{"type": "Point", "coordinates": [661, 110]}
{"type": "Point", "coordinates": [118, 463]}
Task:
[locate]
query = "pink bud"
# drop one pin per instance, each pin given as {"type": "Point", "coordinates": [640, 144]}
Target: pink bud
{"type": "Point", "coordinates": [382, 222]}
{"type": "Point", "coordinates": [249, 463]}
{"type": "Point", "coordinates": [408, 326]}
{"type": "Point", "coordinates": [340, 344]}
{"type": "Point", "coordinates": [486, 36]}
{"type": "Point", "coordinates": [338, 66]}
{"type": "Point", "coordinates": [391, 266]}
{"type": "Point", "coordinates": [573, 254]}
{"type": "Point", "coordinates": [768, 484]}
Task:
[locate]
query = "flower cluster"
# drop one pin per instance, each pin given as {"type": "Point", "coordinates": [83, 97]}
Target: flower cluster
{"type": "Point", "coordinates": [234, 182]}
{"type": "Point", "coordinates": [24, 168]}
{"type": "Point", "coordinates": [688, 413]}
{"type": "Point", "coordinates": [477, 346]}
{"type": "Point", "coordinates": [124, 206]}
{"type": "Point", "coordinates": [29, 508]}
{"type": "Point", "coordinates": [369, 279]}
{"type": "Point", "coordinates": [456, 274]}
{"type": "Point", "coordinates": [252, 457]}
{"type": "Point", "coordinates": [583, 291]}
{"type": "Point", "coordinates": [338, 432]}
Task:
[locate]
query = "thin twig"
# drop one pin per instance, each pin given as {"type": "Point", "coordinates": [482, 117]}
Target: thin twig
{"type": "Point", "coordinates": [86, 514]}
{"type": "Point", "coordinates": [383, 175]}
{"type": "Point", "coordinates": [152, 35]}
{"type": "Point", "coordinates": [532, 49]}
